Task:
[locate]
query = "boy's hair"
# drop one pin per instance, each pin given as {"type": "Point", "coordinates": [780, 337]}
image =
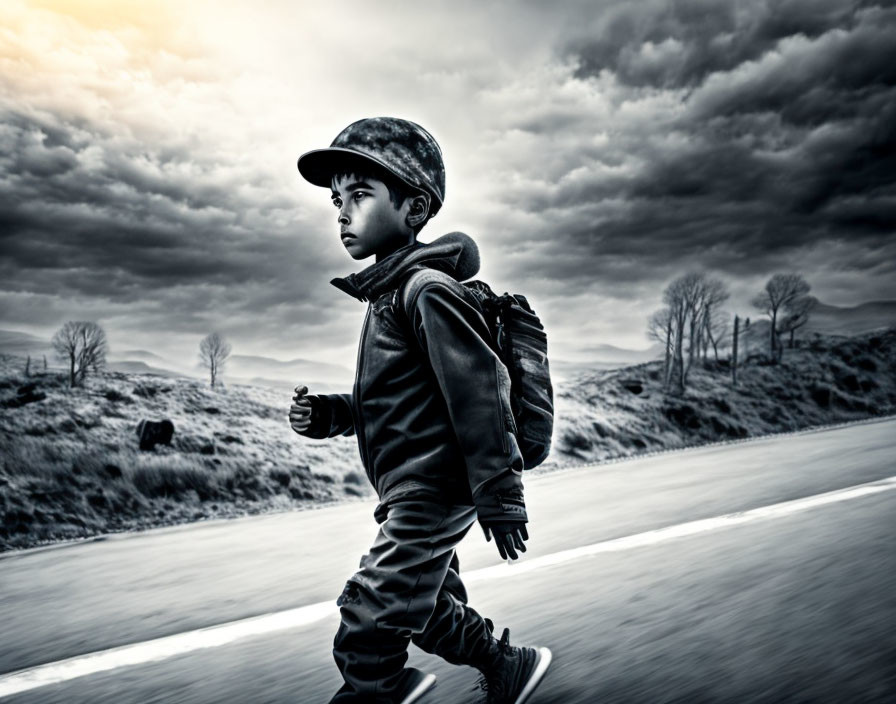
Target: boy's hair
{"type": "Point", "coordinates": [399, 191]}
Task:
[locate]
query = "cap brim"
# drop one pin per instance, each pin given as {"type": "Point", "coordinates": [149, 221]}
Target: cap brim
{"type": "Point", "coordinates": [319, 165]}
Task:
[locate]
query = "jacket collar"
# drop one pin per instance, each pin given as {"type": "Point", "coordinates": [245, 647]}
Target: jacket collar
{"type": "Point", "coordinates": [455, 254]}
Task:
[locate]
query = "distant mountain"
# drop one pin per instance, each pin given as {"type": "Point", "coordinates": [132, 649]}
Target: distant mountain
{"type": "Point", "coordinates": [266, 371]}
{"type": "Point", "coordinates": [824, 320]}
{"type": "Point", "coordinates": [603, 353]}
{"type": "Point", "coordinates": [277, 373]}
{"type": "Point", "coordinates": [136, 367]}
{"type": "Point", "coordinates": [599, 357]}
{"type": "Point", "coordinates": [562, 370]}
{"type": "Point", "coordinates": [143, 356]}
{"type": "Point", "coordinates": [834, 320]}
{"type": "Point", "coordinates": [23, 343]}
{"type": "Point", "coordinates": [287, 384]}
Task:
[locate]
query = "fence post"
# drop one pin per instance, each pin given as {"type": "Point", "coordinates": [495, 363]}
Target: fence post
{"type": "Point", "coordinates": [734, 352]}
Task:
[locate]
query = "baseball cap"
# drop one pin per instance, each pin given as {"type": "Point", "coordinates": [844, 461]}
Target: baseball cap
{"type": "Point", "coordinates": [402, 147]}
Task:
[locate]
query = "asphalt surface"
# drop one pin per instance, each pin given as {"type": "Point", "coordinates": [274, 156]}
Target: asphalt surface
{"type": "Point", "coordinates": [799, 608]}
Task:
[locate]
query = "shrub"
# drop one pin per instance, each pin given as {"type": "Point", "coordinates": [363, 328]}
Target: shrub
{"type": "Point", "coordinates": [116, 396]}
{"type": "Point", "coordinates": [91, 463]}
{"type": "Point", "coordinates": [172, 477]}
{"type": "Point", "coordinates": [184, 442]}
{"type": "Point", "coordinates": [146, 391]}
{"type": "Point", "coordinates": [281, 476]}
{"type": "Point", "coordinates": [867, 364]}
{"type": "Point", "coordinates": [868, 385]}
{"type": "Point", "coordinates": [246, 482]}
{"type": "Point", "coordinates": [684, 415]}
{"type": "Point", "coordinates": [576, 441]}
{"type": "Point", "coordinates": [850, 382]}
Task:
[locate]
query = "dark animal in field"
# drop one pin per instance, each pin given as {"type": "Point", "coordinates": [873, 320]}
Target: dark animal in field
{"type": "Point", "coordinates": [152, 433]}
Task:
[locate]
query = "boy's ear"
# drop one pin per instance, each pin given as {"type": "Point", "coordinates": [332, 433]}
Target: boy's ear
{"type": "Point", "coordinates": [418, 210]}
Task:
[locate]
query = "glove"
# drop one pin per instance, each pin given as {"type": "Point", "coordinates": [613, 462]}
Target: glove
{"type": "Point", "coordinates": [310, 414]}
{"type": "Point", "coordinates": [301, 410]}
{"type": "Point", "coordinates": [510, 536]}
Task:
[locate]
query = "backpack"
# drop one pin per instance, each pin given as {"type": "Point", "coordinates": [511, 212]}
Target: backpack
{"type": "Point", "coordinates": [520, 341]}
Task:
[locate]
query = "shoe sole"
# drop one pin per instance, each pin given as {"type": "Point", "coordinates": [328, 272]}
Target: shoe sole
{"type": "Point", "coordinates": [423, 686]}
{"type": "Point", "coordinates": [541, 666]}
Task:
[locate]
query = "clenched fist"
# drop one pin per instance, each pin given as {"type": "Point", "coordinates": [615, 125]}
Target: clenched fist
{"type": "Point", "coordinates": [300, 410]}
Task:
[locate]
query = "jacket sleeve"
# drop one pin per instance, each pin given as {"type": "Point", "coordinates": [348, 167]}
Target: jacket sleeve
{"type": "Point", "coordinates": [476, 387]}
{"type": "Point", "coordinates": [331, 415]}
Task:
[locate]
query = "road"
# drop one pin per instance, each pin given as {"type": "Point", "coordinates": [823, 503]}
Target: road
{"type": "Point", "coordinates": [797, 606]}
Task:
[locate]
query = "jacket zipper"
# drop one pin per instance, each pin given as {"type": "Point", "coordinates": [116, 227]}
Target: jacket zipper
{"type": "Point", "coordinates": [362, 439]}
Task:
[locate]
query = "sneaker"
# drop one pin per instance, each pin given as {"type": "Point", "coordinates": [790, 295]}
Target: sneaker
{"type": "Point", "coordinates": [419, 683]}
{"type": "Point", "coordinates": [514, 672]}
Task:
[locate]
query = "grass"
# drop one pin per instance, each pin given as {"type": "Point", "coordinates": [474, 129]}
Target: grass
{"type": "Point", "coordinates": [70, 466]}
{"type": "Point", "coordinates": [824, 380]}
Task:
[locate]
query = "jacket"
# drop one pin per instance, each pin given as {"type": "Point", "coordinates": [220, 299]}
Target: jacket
{"type": "Point", "coordinates": [431, 400]}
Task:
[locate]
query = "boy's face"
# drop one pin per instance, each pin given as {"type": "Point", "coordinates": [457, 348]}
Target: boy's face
{"type": "Point", "coordinates": [369, 222]}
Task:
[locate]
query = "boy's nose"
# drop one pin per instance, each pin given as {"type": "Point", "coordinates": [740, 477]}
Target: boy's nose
{"type": "Point", "coordinates": [343, 218]}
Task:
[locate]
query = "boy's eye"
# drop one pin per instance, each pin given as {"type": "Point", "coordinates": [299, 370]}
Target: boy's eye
{"type": "Point", "coordinates": [337, 202]}
{"type": "Point", "coordinates": [358, 195]}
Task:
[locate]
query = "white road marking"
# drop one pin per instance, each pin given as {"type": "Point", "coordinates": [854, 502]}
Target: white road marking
{"type": "Point", "coordinates": [215, 636]}
{"type": "Point", "coordinates": [681, 530]}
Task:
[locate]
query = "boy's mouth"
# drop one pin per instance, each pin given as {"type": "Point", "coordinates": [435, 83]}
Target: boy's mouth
{"type": "Point", "coordinates": [347, 237]}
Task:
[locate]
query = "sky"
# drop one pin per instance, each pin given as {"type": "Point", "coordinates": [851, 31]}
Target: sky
{"type": "Point", "coordinates": [594, 151]}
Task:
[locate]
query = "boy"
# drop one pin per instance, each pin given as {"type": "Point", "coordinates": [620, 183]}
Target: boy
{"type": "Point", "coordinates": [431, 410]}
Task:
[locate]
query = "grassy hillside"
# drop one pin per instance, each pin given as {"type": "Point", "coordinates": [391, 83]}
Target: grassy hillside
{"type": "Point", "coordinates": [71, 468]}
{"type": "Point", "coordinates": [823, 380]}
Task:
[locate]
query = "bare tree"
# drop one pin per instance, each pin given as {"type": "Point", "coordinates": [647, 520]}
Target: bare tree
{"type": "Point", "coordinates": [213, 353]}
{"type": "Point", "coordinates": [780, 290]}
{"type": "Point", "coordinates": [83, 344]}
{"type": "Point", "coordinates": [660, 328]}
{"type": "Point", "coordinates": [717, 329]}
{"type": "Point", "coordinates": [693, 313]}
{"type": "Point", "coordinates": [681, 297]}
{"type": "Point", "coordinates": [714, 323]}
{"type": "Point", "coordinates": [703, 296]}
{"type": "Point", "coordinates": [695, 296]}
{"type": "Point", "coordinates": [673, 297]}
{"type": "Point", "coordinates": [794, 315]}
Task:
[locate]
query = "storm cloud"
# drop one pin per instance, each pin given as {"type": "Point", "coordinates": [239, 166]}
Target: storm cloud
{"type": "Point", "coordinates": [736, 137]}
{"type": "Point", "coordinates": [594, 151]}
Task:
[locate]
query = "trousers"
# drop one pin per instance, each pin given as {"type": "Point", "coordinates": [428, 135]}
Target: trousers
{"type": "Point", "coordinates": [408, 589]}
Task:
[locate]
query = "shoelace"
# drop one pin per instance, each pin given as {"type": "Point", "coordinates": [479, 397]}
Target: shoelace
{"type": "Point", "coordinates": [504, 648]}
{"type": "Point", "coordinates": [504, 643]}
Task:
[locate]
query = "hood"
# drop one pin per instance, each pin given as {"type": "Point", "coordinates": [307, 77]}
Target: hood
{"type": "Point", "coordinates": [455, 254]}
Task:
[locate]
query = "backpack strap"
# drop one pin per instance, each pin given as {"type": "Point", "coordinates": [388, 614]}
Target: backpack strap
{"type": "Point", "coordinates": [413, 285]}
{"type": "Point", "coordinates": [476, 293]}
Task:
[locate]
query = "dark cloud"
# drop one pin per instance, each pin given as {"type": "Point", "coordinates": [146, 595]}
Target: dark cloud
{"type": "Point", "coordinates": [604, 148]}
{"type": "Point", "coordinates": [133, 233]}
{"type": "Point", "coordinates": [678, 44]}
{"type": "Point", "coordinates": [777, 134]}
